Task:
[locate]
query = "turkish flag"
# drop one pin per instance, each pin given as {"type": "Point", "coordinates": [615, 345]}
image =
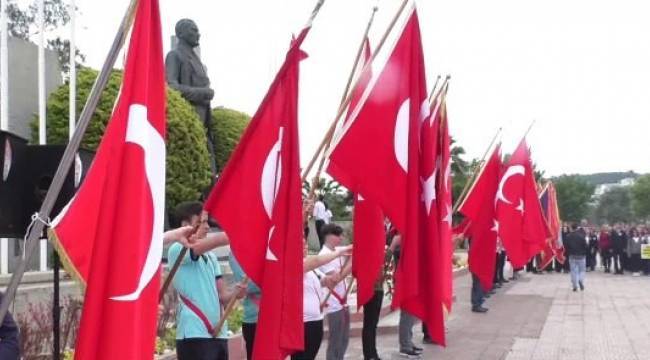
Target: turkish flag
{"type": "Point", "coordinates": [368, 221]}
{"type": "Point", "coordinates": [478, 208]}
{"type": "Point", "coordinates": [110, 234]}
{"type": "Point", "coordinates": [444, 199]}
{"type": "Point", "coordinates": [521, 224]}
{"type": "Point", "coordinates": [257, 201]}
{"type": "Point", "coordinates": [377, 154]}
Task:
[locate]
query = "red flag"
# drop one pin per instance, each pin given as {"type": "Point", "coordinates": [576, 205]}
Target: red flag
{"type": "Point", "coordinates": [110, 234]}
{"type": "Point", "coordinates": [369, 232]}
{"type": "Point", "coordinates": [369, 247]}
{"type": "Point", "coordinates": [521, 224]}
{"type": "Point", "coordinates": [478, 207]}
{"type": "Point", "coordinates": [378, 156]}
{"type": "Point", "coordinates": [553, 248]}
{"type": "Point", "coordinates": [257, 201]}
{"type": "Point", "coordinates": [444, 191]}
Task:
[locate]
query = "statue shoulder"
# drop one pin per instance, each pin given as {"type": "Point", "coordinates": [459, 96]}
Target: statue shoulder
{"type": "Point", "coordinates": [173, 55]}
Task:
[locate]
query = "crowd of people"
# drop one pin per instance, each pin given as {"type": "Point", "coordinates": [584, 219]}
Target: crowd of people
{"type": "Point", "coordinates": [614, 249]}
{"type": "Point", "coordinates": [325, 293]}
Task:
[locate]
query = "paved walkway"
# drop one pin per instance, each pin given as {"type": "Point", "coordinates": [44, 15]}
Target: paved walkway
{"type": "Point", "coordinates": [538, 317]}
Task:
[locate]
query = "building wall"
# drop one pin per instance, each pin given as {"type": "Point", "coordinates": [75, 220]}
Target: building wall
{"type": "Point", "coordinates": [23, 83]}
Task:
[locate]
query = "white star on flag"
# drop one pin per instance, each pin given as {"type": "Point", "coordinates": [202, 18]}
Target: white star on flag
{"type": "Point", "coordinates": [521, 206]}
{"type": "Point", "coordinates": [448, 216]}
{"type": "Point", "coordinates": [495, 228]}
{"type": "Point", "coordinates": [429, 190]}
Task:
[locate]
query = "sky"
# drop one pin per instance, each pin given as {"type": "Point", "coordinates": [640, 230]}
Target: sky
{"type": "Point", "coordinates": [580, 69]}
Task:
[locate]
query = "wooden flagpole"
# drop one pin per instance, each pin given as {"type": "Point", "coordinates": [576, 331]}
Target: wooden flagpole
{"type": "Point", "coordinates": [330, 132]}
{"type": "Point", "coordinates": [433, 91]}
{"type": "Point", "coordinates": [329, 293]}
{"type": "Point", "coordinates": [36, 230]}
{"type": "Point", "coordinates": [229, 308]}
{"type": "Point", "coordinates": [476, 171]}
{"type": "Point", "coordinates": [323, 144]}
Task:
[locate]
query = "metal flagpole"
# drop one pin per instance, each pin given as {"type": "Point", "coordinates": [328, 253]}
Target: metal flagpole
{"type": "Point", "coordinates": [68, 157]}
{"type": "Point", "coordinates": [4, 110]}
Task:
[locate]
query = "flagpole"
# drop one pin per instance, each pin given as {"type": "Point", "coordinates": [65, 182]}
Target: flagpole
{"type": "Point", "coordinates": [329, 293]}
{"type": "Point", "coordinates": [433, 91]}
{"type": "Point", "coordinates": [330, 132]}
{"type": "Point", "coordinates": [229, 308]}
{"type": "Point", "coordinates": [323, 144]}
{"type": "Point", "coordinates": [36, 230]}
{"type": "Point", "coordinates": [476, 171]}
{"type": "Point", "coordinates": [530, 127]}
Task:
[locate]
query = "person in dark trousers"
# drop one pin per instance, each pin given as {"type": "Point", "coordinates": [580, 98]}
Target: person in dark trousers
{"type": "Point", "coordinates": [499, 279]}
{"type": "Point", "coordinates": [634, 252]}
{"type": "Point", "coordinates": [371, 312]}
{"type": "Point", "coordinates": [478, 296]}
{"type": "Point", "coordinates": [605, 248]}
{"type": "Point", "coordinates": [592, 242]}
{"type": "Point", "coordinates": [9, 338]}
{"type": "Point", "coordinates": [576, 250]}
{"type": "Point", "coordinates": [320, 214]}
{"type": "Point", "coordinates": [619, 247]}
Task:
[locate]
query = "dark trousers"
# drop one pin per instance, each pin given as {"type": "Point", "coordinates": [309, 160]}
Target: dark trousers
{"type": "Point", "coordinates": [645, 264]}
{"type": "Point", "coordinates": [313, 338]}
{"type": "Point", "coordinates": [500, 264]}
{"type": "Point", "coordinates": [478, 295]}
{"type": "Point", "coordinates": [319, 226]}
{"type": "Point", "coordinates": [248, 330]}
{"type": "Point", "coordinates": [591, 260]}
{"type": "Point", "coordinates": [371, 312]}
{"type": "Point", "coordinates": [618, 261]}
{"type": "Point", "coordinates": [606, 258]}
{"type": "Point", "coordinates": [634, 263]}
{"type": "Point", "coordinates": [202, 349]}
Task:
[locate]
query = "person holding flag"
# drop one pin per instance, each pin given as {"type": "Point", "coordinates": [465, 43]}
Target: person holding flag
{"type": "Point", "coordinates": [201, 289]}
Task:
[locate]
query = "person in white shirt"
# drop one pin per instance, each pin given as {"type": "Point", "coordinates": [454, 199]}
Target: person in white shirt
{"type": "Point", "coordinates": [320, 214]}
{"type": "Point", "coordinates": [328, 214]}
{"type": "Point", "coordinates": [336, 309]}
{"type": "Point", "coordinates": [313, 295]}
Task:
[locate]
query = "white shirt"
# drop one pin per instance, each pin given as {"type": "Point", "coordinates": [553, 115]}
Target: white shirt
{"type": "Point", "coordinates": [320, 213]}
{"type": "Point", "coordinates": [334, 266]}
{"type": "Point", "coordinates": [328, 216]}
{"type": "Point", "coordinates": [312, 295]}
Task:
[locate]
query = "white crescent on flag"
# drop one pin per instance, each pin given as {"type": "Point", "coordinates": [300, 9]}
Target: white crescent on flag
{"type": "Point", "coordinates": [401, 141]}
{"type": "Point", "coordinates": [270, 183]}
{"type": "Point", "coordinates": [510, 172]}
{"type": "Point", "coordinates": [140, 132]}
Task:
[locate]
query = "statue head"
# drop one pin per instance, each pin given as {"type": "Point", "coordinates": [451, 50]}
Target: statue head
{"type": "Point", "coordinates": [188, 32]}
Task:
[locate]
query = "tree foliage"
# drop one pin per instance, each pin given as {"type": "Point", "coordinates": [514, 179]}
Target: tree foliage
{"type": "Point", "coordinates": [23, 23]}
{"type": "Point", "coordinates": [188, 170]}
{"type": "Point", "coordinates": [573, 196]}
{"type": "Point", "coordinates": [641, 196]}
{"type": "Point", "coordinates": [615, 205]}
{"type": "Point", "coordinates": [338, 199]}
{"type": "Point", "coordinates": [227, 126]}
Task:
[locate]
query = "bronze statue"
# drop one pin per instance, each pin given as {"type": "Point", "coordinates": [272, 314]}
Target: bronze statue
{"type": "Point", "coordinates": [186, 73]}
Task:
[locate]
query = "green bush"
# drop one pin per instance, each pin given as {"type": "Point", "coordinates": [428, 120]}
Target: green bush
{"type": "Point", "coordinates": [188, 170]}
{"type": "Point", "coordinates": [227, 126]}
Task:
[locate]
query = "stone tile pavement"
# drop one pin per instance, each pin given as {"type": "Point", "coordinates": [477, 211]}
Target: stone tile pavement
{"type": "Point", "coordinates": [538, 317]}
